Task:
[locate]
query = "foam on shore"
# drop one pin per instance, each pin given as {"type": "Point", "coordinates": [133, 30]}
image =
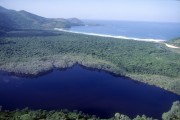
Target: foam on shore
{"type": "Point", "coordinates": [112, 36]}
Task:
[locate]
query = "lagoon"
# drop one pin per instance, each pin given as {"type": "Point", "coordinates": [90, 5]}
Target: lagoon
{"type": "Point", "coordinates": [89, 90]}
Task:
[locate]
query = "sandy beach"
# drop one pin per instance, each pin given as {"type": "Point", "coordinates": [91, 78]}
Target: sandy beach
{"type": "Point", "coordinates": [112, 36]}
{"type": "Point", "coordinates": [170, 46]}
{"type": "Point", "coordinates": [120, 37]}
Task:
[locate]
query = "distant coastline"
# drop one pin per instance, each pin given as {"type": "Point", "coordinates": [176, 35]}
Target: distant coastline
{"type": "Point", "coordinates": [112, 36]}
{"type": "Point", "coordinates": [131, 29]}
{"type": "Point", "coordinates": [120, 37]}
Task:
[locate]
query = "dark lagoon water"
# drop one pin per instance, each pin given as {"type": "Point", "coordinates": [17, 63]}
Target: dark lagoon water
{"type": "Point", "coordinates": [91, 91]}
{"type": "Point", "coordinates": [143, 30]}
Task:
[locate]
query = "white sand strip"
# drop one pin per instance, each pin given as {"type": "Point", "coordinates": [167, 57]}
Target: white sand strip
{"type": "Point", "coordinates": [111, 36]}
{"type": "Point", "coordinates": [171, 46]}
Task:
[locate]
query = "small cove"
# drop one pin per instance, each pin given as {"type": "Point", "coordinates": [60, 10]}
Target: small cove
{"type": "Point", "coordinates": [89, 90]}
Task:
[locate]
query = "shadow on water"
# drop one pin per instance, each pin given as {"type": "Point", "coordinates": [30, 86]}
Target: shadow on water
{"type": "Point", "coordinates": [89, 90]}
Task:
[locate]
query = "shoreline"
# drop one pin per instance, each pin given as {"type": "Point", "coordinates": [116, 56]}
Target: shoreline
{"type": "Point", "coordinates": [42, 73]}
{"type": "Point", "coordinates": [112, 36]}
{"type": "Point", "coordinates": [170, 46]}
{"type": "Point", "coordinates": [120, 37]}
{"type": "Point", "coordinates": [100, 65]}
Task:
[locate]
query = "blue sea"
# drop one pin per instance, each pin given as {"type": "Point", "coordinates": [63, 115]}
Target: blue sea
{"type": "Point", "coordinates": [142, 30]}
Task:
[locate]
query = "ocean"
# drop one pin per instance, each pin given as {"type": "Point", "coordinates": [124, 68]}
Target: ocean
{"type": "Point", "coordinates": [127, 29]}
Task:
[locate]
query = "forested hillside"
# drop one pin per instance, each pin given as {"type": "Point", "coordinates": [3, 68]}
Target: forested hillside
{"type": "Point", "coordinates": [12, 20]}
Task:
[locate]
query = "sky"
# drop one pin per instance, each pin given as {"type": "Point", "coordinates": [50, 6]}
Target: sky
{"type": "Point", "coordinates": [126, 10]}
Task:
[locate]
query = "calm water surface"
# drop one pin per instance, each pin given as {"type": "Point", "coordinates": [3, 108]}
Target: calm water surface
{"type": "Point", "coordinates": [145, 30]}
{"type": "Point", "coordinates": [93, 92]}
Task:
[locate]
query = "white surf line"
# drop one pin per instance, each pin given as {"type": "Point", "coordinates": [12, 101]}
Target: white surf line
{"type": "Point", "coordinates": [111, 36]}
{"type": "Point", "coordinates": [170, 46]}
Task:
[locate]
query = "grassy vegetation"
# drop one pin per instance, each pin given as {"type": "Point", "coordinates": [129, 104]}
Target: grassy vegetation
{"type": "Point", "coordinates": [27, 114]}
{"type": "Point", "coordinates": [149, 62]}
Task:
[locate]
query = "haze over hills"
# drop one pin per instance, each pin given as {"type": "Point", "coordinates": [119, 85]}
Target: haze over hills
{"type": "Point", "coordinates": [11, 19]}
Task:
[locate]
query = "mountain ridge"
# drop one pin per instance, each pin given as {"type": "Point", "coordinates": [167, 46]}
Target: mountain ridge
{"type": "Point", "coordinates": [12, 19]}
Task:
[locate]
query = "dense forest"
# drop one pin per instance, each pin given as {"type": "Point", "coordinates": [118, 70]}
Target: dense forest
{"type": "Point", "coordinates": [27, 114]}
{"type": "Point", "coordinates": [34, 51]}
